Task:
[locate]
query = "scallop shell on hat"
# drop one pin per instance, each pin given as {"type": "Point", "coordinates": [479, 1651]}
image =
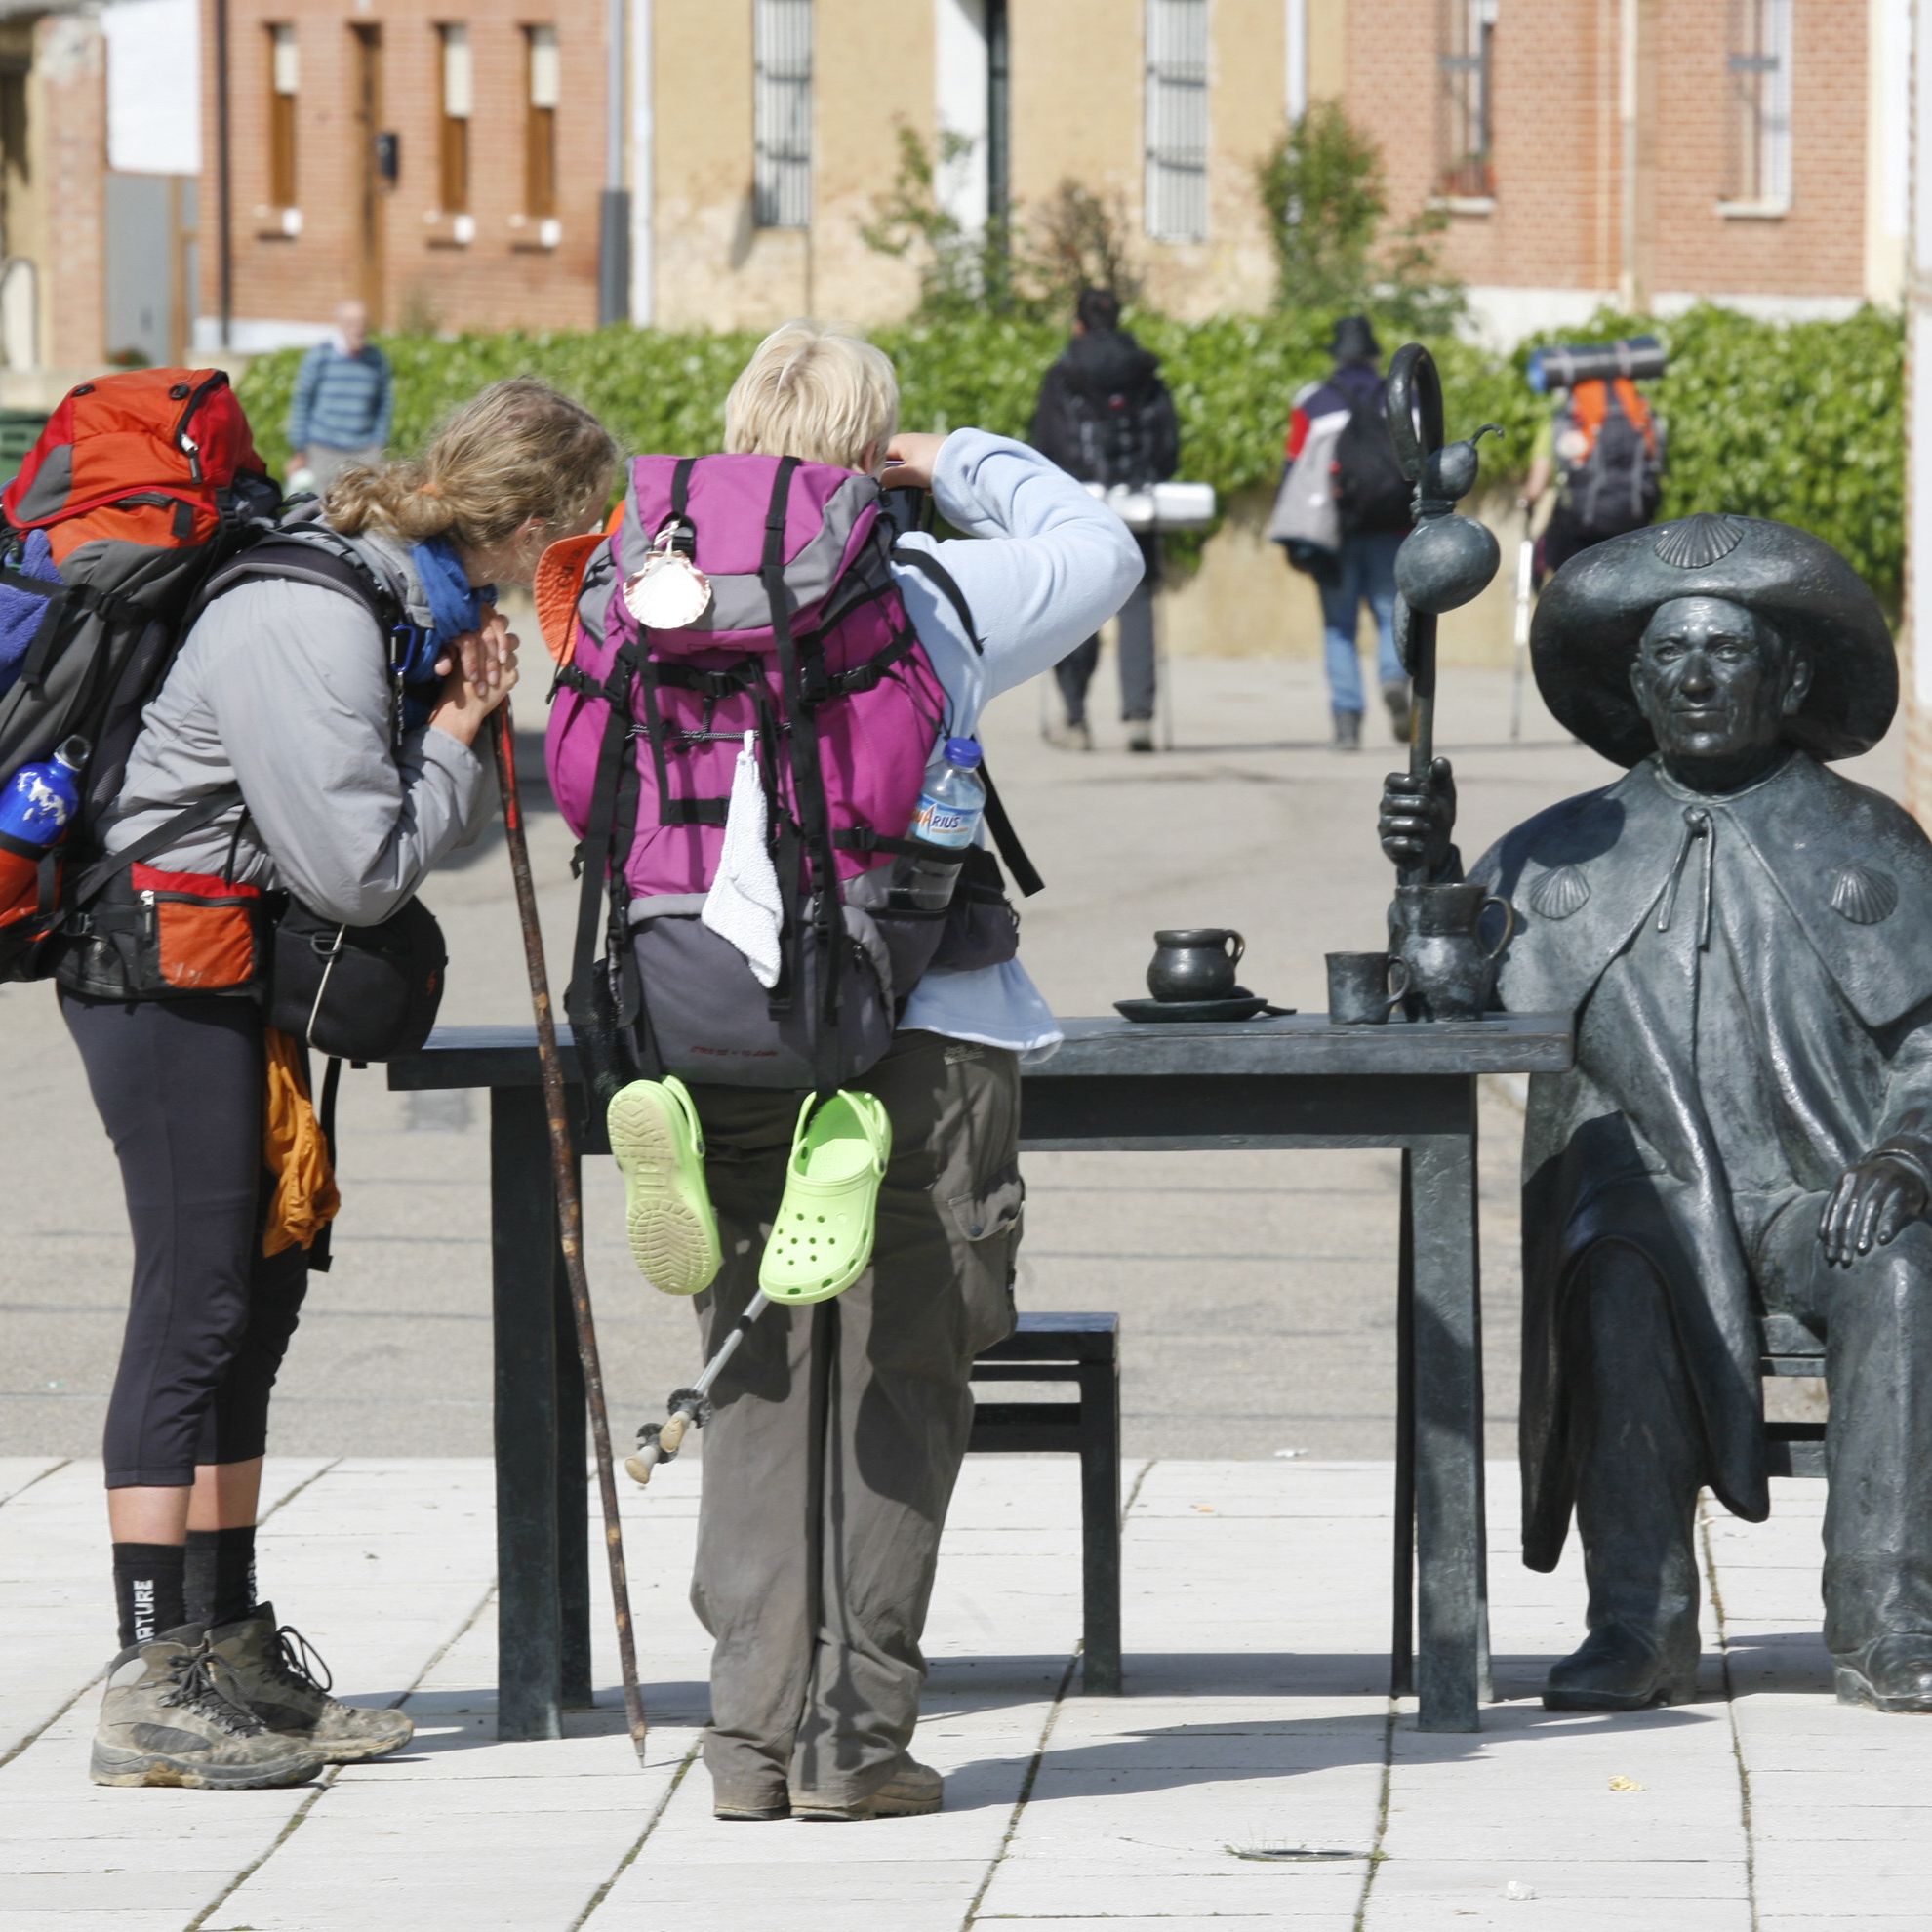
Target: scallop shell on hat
{"type": "Point", "coordinates": [1695, 543]}
{"type": "Point", "coordinates": [1864, 894]}
{"type": "Point", "coordinates": [1559, 893]}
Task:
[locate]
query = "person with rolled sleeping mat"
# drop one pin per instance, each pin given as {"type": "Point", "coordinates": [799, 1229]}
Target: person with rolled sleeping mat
{"type": "Point", "coordinates": [807, 1036]}
{"type": "Point", "coordinates": [311, 756]}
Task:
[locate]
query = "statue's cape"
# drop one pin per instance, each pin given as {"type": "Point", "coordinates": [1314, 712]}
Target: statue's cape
{"type": "Point", "coordinates": [1853, 869]}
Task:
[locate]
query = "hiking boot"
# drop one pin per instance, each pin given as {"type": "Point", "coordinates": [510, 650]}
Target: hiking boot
{"type": "Point", "coordinates": [914, 1791]}
{"type": "Point", "coordinates": [173, 1715]}
{"type": "Point", "coordinates": [1140, 735]}
{"type": "Point", "coordinates": [1347, 731]}
{"type": "Point", "coordinates": [1401, 713]}
{"type": "Point", "coordinates": [275, 1671]}
{"type": "Point", "coordinates": [1075, 735]}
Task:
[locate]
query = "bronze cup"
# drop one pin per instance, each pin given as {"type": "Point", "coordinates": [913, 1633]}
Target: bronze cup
{"type": "Point", "coordinates": [1364, 987]}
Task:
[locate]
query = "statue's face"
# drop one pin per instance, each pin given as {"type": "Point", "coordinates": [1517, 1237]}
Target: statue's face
{"type": "Point", "coordinates": [1716, 681]}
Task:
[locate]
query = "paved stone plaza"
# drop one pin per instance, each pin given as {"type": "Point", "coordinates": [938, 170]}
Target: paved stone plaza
{"type": "Point", "coordinates": [1254, 1771]}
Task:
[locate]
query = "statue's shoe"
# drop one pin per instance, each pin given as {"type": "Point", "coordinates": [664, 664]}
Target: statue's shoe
{"type": "Point", "coordinates": [1892, 1672]}
{"type": "Point", "coordinates": [1618, 1668]}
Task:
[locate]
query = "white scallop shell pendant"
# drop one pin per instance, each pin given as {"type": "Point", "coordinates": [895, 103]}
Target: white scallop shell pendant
{"type": "Point", "coordinates": [669, 594]}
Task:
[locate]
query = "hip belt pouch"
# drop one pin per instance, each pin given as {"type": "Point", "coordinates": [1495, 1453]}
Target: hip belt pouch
{"type": "Point", "coordinates": [153, 935]}
{"type": "Point", "coordinates": [358, 992]}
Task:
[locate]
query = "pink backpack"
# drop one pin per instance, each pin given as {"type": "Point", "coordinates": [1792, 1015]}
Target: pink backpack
{"type": "Point", "coordinates": [806, 644]}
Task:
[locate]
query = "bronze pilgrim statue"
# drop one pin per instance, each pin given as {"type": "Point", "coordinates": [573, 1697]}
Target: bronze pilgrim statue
{"type": "Point", "coordinates": [1745, 1143]}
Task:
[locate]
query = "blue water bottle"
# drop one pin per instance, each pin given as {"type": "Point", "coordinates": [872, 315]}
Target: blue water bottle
{"type": "Point", "coordinates": [40, 800]}
{"type": "Point", "coordinates": [952, 803]}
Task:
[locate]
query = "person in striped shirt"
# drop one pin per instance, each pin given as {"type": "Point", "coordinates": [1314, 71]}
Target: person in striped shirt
{"type": "Point", "coordinates": [339, 418]}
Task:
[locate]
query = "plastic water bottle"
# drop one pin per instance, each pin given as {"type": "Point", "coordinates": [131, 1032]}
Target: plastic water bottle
{"type": "Point", "coordinates": [39, 801]}
{"type": "Point", "coordinates": [952, 803]}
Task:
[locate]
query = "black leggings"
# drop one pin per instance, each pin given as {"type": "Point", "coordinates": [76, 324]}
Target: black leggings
{"type": "Point", "coordinates": [178, 1086]}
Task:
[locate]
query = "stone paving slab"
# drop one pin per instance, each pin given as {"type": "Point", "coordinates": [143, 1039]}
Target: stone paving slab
{"type": "Point", "coordinates": [1255, 1772]}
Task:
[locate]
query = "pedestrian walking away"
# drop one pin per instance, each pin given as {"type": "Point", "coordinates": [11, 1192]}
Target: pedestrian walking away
{"type": "Point", "coordinates": [305, 759]}
{"type": "Point", "coordinates": [1603, 448]}
{"type": "Point", "coordinates": [1105, 415]}
{"type": "Point", "coordinates": [834, 1180]}
{"type": "Point", "coordinates": [1372, 502]}
{"type": "Point", "coordinates": [344, 396]}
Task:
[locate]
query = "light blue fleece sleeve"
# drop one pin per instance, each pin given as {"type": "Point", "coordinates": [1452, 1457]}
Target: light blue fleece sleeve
{"type": "Point", "coordinates": [1043, 565]}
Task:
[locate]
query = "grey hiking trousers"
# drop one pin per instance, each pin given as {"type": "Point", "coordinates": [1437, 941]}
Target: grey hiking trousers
{"type": "Point", "coordinates": [840, 1428]}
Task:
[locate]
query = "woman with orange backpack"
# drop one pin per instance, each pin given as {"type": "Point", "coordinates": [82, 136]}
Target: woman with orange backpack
{"type": "Point", "coordinates": [312, 754]}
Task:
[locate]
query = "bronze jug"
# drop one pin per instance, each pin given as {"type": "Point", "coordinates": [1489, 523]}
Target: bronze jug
{"type": "Point", "coordinates": [1439, 937]}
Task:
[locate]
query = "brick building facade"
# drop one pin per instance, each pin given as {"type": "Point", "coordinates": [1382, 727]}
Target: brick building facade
{"type": "Point", "coordinates": [1650, 152]}
{"type": "Point", "coordinates": [442, 162]}
{"type": "Point", "coordinates": [53, 186]}
{"type": "Point", "coordinates": [1581, 151]}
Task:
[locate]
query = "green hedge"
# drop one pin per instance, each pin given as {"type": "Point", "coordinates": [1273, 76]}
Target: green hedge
{"type": "Point", "coordinates": [1801, 421]}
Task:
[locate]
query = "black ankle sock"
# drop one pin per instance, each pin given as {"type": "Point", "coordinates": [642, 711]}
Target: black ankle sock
{"type": "Point", "coordinates": [149, 1583]}
{"type": "Point", "coordinates": [220, 1574]}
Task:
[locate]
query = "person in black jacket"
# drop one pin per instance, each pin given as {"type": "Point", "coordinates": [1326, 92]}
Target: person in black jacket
{"type": "Point", "coordinates": [1105, 415]}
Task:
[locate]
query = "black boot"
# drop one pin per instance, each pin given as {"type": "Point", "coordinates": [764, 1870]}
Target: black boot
{"type": "Point", "coordinates": [1891, 1672]}
{"type": "Point", "coordinates": [1618, 1668]}
{"type": "Point", "coordinates": [1401, 717]}
{"type": "Point", "coordinates": [1347, 731]}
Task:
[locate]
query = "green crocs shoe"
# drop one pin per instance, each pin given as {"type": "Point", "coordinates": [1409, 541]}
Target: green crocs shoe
{"type": "Point", "coordinates": [660, 1150]}
{"type": "Point", "coordinates": [823, 1237]}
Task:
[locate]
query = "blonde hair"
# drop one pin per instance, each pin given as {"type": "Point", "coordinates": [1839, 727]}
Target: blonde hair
{"type": "Point", "coordinates": [814, 393]}
{"type": "Point", "coordinates": [519, 450]}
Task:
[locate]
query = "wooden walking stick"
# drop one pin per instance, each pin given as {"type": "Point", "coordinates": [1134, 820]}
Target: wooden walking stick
{"type": "Point", "coordinates": [570, 1216]}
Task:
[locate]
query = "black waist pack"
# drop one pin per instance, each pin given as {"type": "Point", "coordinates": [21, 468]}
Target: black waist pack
{"type": "Point", "coordinates": [358, 992]}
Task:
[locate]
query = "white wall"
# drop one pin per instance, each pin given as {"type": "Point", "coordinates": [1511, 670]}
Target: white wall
{"type": "Point", "coordinates": [153, 86]}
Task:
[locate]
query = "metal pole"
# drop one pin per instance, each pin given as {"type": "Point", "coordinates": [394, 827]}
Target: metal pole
{"type": "Point", "coordinates": [570, 1217]}
{"type": "Point", "coordinates": [224, 179]}
{"type": "Point", "coordinates": [614, 204]}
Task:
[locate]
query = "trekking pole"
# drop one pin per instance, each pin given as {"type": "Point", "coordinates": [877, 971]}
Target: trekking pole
{"type": "Point", "coordinates": [570, 1217]}
{"type": "Point", "coordinates": [660, 1442]}
{"type": "Point", "coordinates": [1525, 572]}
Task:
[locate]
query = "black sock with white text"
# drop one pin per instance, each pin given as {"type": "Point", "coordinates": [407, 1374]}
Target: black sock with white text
{"type": "Point", "coordinates": [220, 1575]}
{"type": "Point", "coordinates": [150, 1581]}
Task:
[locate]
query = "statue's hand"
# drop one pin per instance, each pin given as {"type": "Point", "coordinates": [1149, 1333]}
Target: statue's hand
{"type": "Point", "coordinates": [1419, 818]}
{"type": "Point", "coordinates": [1873, 1202]}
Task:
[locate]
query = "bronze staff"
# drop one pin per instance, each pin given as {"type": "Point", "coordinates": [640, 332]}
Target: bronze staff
{"type": "Point", "coordinates": [570, 1218]}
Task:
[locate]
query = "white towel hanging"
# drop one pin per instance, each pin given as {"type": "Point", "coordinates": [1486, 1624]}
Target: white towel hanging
{"type": "Point", "coordinates": [744, 904]}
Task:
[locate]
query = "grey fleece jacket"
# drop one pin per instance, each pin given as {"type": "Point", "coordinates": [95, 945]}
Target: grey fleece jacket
{"type": "Point", "coordinates": [283, 688]}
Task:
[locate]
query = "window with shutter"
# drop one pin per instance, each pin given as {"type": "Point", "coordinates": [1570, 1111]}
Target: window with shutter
{"type": "Point", "coordinates": [452, 142]}
{"type": "Point", "coordinates": [539, 138]}
{"type": "Point", "coordinates": [284, 79]}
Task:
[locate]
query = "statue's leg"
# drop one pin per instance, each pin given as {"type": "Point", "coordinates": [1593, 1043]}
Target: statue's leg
{"type": "Point", "coordinates": [1878, 1464]}
{"type": "Point", "coordinates": [1633, 1445]}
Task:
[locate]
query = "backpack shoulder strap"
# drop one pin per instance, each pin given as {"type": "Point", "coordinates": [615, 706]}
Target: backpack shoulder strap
{"type": "Point", "coordinates": [947, 586]}
{"type": "Point", "coordinates": [1026, 875]}
{"type": "Point", "coordinates": [311, 555]}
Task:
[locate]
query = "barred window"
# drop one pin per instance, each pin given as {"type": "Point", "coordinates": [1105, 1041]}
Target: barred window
{"type": "Point", "coordinates": [1176, 191]}
{"type": "Point", "coordinates": [1465, 170]}
{"type": "Point", "coordinates": [782, 113]}
{"type": "Point", "coordinates": [1759, 72]}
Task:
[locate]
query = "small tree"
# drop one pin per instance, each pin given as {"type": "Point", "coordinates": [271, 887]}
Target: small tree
{"type": "Point", "coordinates": [961, 270]}
{"type": "Point", "coordinates": [1078, 240]}
{"type": "Point", "coordinates": [1326, 199]}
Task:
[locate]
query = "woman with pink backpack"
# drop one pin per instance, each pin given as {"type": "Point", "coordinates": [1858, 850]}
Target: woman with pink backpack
{"type": "Point", "coordinates": [812, 1071]}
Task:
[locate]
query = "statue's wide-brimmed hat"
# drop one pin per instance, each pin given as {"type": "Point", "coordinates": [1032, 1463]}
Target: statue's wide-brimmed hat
{"type": "Point", "coordinates": [1592, 615]}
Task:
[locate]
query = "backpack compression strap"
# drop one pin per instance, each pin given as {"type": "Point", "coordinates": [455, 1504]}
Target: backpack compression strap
{"type": "Point", "coordinates": [808, 791]}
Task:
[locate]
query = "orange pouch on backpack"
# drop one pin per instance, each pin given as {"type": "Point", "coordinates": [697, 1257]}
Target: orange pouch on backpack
{"type": "Point", "coordinates": [23, 869]}
{"type": "Point", "coordinates": [203, 934]}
